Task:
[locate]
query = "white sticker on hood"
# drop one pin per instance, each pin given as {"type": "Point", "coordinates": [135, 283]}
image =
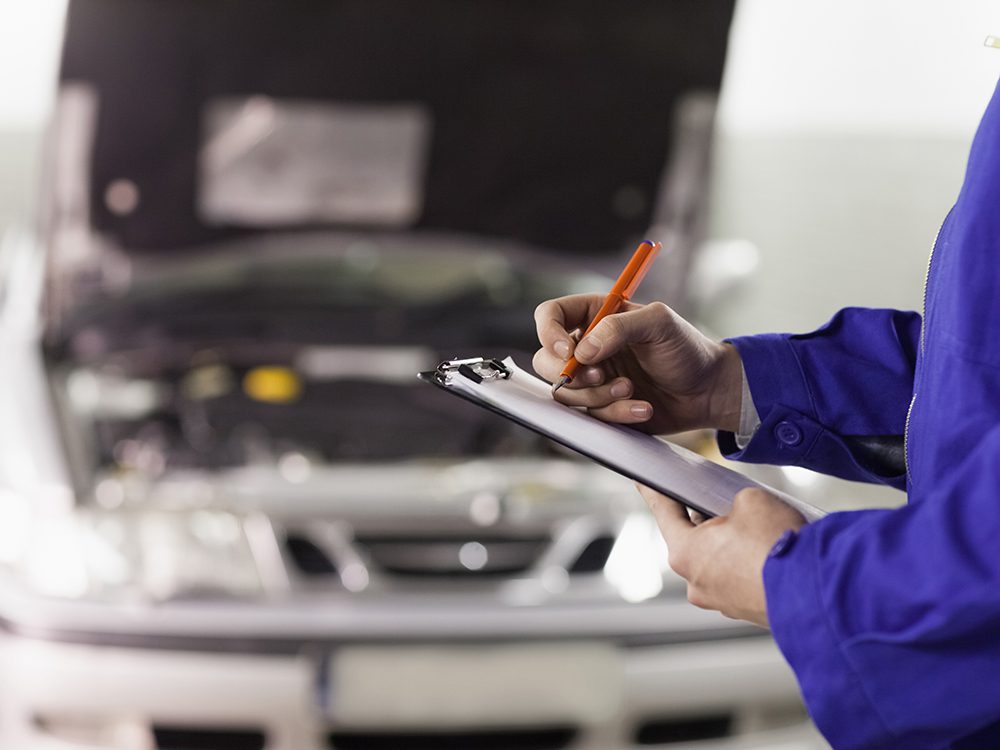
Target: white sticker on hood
{"type": "Point", "coordinates": [268, 162]}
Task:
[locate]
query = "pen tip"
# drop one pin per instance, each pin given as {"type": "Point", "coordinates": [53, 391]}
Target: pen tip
{"type": "Point", "coordinates": [560, 383]}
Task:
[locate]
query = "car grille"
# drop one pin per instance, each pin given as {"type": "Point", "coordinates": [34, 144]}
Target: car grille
{"type": "Point", "coordinates": [450, 556]}
{"type": "Point", "coordinates": [200, 738]}
{"type": "Point", "coordinates": [671, 730]}
{"type": "Point", "coordinates": [553, 738]}
{"type": "Point", "coordinates": [471, 554]}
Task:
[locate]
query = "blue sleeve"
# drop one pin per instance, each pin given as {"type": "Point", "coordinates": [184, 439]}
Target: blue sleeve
{"type": "Point", "coordinates": [888, 616]}
{"type": "Point", "coordinates": [833, 400]}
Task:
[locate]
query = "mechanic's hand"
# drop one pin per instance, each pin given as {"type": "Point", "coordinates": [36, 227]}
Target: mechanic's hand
{"type": "Point", "coordinates": [645, 365]}
{"type": "Point", "coordinates": [722, 559]}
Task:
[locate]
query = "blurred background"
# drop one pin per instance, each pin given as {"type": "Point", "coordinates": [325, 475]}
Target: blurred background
{"type": "Point", "coordinates": [230, 518]}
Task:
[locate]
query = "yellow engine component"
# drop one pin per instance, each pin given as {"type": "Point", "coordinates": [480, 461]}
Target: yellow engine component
{"type": "Point", "coordinates": [272, 385]}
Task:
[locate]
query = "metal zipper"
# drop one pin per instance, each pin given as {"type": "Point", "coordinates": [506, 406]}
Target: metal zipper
{"type": "Point", "coordinates": [920, 352]}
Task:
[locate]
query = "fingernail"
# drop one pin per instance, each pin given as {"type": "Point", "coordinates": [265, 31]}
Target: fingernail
{"type": "Point", "coordinates": [588, 348]}
{"type": "Point", "coordinates": [620, 389]}
{"type": "Point", "coordinates": [640, 410]}
{"type": "Point", "coordinates": [592, 375]}
{"type": "Point", "coordinates": [562, 349]}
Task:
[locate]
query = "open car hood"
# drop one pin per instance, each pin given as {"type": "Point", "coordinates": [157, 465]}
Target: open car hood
{"type": "Point", "coordinates": [184, 123]}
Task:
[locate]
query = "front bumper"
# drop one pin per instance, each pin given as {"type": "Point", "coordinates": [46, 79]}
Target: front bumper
{"type": "Point", "coordinates": [734, 695]}
{"type": "Point", "coordinates": [441, 673]}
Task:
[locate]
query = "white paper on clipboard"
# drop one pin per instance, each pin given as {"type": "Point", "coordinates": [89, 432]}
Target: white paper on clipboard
{"type": "Point", "coordinates": [693, 480]}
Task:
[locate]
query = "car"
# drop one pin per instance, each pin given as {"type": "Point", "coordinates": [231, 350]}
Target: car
{"type": "Point", "coordinates": [232, 516]}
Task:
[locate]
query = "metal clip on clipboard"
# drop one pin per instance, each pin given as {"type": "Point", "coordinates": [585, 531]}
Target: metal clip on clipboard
{"type": "Point", "coordinates": [502, 387]}
{"type": "Point", "coordinates": [476, 369]}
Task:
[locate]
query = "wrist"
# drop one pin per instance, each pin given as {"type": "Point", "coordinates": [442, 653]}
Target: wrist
{"type": "Point", "coordinates": [726, 394]}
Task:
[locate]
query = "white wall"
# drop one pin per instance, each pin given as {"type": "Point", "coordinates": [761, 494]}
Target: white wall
{"type": "Point", "coordinates": [843, 132]}
{"type": "Point", "coordinates": [30, 34]}
{"type": "Point", "coordinates": [901, 67]}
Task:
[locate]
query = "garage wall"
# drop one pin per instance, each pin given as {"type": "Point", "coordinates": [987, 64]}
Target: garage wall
{"type": "Point", "coordinates": [842, 136]}
{"type": "Point", "coordinates": [29, 40]}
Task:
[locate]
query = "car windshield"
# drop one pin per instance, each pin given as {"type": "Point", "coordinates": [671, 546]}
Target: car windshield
{"type": "Point", "coordinates": [235, 361]}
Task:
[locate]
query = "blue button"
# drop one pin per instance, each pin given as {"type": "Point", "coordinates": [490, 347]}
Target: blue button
{"type": "Point", "coordinates": [784, 543]}
{"type": "Point", "coordinates": [788, 433]}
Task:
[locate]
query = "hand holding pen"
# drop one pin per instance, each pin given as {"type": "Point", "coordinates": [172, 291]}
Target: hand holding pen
{"type": "Point", "coordinates": [637, 364]}
{"type": "Point", "coordinates": [620, 293]}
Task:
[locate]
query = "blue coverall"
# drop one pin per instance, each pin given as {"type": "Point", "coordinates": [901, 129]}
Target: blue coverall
{"type": "Point", "coordinates": [891, 618]}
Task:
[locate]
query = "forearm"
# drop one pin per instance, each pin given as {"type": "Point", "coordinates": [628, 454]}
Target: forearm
{"type": "Point", "coordinates": [821, 396]}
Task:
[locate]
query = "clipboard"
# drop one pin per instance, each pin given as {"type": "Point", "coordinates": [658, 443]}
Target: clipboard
{"type": "Point", "coordinates": [685, 476]}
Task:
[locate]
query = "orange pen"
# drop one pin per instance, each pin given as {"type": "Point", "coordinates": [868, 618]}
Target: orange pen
{"type": "Point", "coordinates": [620, 293]}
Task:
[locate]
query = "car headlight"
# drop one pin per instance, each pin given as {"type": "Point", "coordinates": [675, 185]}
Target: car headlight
{"type": "Point", "coordinates": [637, 565]}
{"type": "Point", "coordinates": [142, 555]}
